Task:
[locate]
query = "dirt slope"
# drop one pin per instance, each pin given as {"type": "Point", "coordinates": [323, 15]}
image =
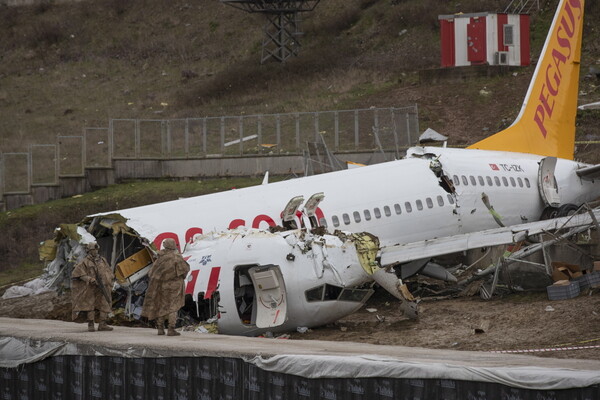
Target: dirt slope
{"type": "Point", "coordinates": [69, 65]}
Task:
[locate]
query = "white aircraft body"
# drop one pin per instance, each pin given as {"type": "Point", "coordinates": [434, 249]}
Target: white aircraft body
{"type": "Point", "coordinates": [522, 174]}
{"type": "Point", "coordinates": [281, 281]}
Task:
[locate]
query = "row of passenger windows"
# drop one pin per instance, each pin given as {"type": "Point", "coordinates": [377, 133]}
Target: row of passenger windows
{"type": "Point", "coordinates": [387, 211]}
{"type": "Point", "coordinates": [490, 182]}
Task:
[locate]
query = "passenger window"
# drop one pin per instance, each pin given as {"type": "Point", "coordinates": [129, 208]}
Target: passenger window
{"type": "Point", "coordinates": [512, 182]}
{"type": "Point", "coordinates": [387, 211]}
{"type": "Point", "coordinates": [440, 200]}
{"type": "Point", "coordinates": [480, 179]}
{"type": "Point", "coordinates": [335, 220]}
{"type": "Point", "coordinates": [323, 222]}
{"type": "Point", "coordinates": [377, 212]}
{"type": "Point", "coordinates": [505, 181]}
{"type": "Point", "coordinates": [346, 218]}
{"type": "Point", "coordinates": [450, 199]}
{"type": "Point", "coordinates": [520, 181]}
{"type": "Point", "coordinates": [397, 209]}
{"type": "Point", "coordinates": [497, 181]}
{"type": "Point", "coordinates": [527, 182]}
{"type": "Point", "coordinates": [456, 180]}
{"type": "Point", "coordinates": [419, 205]}
{"type": "Point", "coordinates": [429, 202]}
{"type": "Point", "coordinates": [356, 216]}
{"type": "Point", "coordinates": [367, 215]}
{"type": "Point", "coordinates": [464, 180]}
{"type": "Point", "coordinates": [489, 181]}
{"type": "Point", "coordinates": [408, 207]}
{"type": "Point", "coordinates": [473, 182]}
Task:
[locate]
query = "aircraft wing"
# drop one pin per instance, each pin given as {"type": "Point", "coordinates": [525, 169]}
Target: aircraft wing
{"type": "Point", "coordinates": [403, 253]}
{"type": "Point", "coordinates": [589, 173]}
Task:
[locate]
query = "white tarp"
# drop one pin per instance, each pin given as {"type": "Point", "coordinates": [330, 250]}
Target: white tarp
{"type": "Point", "coordinates": [366, 366]}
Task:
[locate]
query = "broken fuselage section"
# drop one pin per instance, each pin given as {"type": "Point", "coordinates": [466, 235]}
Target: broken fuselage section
{"type": "Point", "coordinates": [249, 281]}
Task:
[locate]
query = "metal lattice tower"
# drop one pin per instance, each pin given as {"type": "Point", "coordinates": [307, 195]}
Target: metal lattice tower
{"type": "Point", "coordinates": [281, 31]}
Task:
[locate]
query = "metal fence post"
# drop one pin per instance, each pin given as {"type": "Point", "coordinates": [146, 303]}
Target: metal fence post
{"type": "Point", "coordinates": [393, 118]}
{"type": "Point", "coordinates": [186, 139]}
{"type": "Point", "coordinates": [316, 118]}
{"type": "Point", "coordinates": [297, 116]}
{"type": "Point", "coordinates": [408, 129]}
{"type": "Point", "coordinates": [204, 149]}
{"type": "Point", "coordinates": [111, 142]}
{"type": "Point", "coordinates": [137, 146]}
{"type": "Point", "coordinates": [278, 132]}
{"type": "Point", "coordinates": [336, 135]}
{"type": "Point", "coordinates": [259, 133]}
{"type": "Point", "coordinates": [356, 135]}
{"type": "Point", "coordinates": [241, 136]}
{"type": "Point", "coordinates": [166, 124]}
{"type": "Point", "coordinates": [222, 145]}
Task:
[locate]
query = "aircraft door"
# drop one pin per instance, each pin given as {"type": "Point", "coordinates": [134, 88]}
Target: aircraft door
{"type": "Point", "coordinates": [289, 212]}
{"type": "Point", "coordinates": [310, 208]}
{"type": "Point", "coordinates": [547, 182]}
{"type": "Point", "coordinates": [271, 302]}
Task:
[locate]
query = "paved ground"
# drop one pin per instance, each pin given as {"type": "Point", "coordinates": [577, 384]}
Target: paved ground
{"type": "Point", "coordinates": [192, 343]}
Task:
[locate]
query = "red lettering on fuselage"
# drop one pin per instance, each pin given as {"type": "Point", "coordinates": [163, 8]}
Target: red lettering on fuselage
{"type": "Point", "coordinates": [551, 87]}
{"type": "Point", "coordinates": [190, 233]}
{"type": "Point", "coordinates": [166, 235]}
{"type": "Point", "coordinates": [235, 223]}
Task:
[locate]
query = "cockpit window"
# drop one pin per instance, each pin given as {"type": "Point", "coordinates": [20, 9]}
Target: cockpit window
{"type": "Point", "coordinates": [357, 295]}
{"type": "Point", "coordinates": [315, 294]}
{"type": "Point", "coordinates": [329, 292]}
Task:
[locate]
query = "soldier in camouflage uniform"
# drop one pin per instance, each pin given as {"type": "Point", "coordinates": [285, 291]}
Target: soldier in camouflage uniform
{"type": "Point", "coordinates": [91, 284]}
{"type": "Point", "coordinates": [166, 290]}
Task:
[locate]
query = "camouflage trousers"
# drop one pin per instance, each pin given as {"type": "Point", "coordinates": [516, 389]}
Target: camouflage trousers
{"type": "Point", "coordinates": [171, 318]}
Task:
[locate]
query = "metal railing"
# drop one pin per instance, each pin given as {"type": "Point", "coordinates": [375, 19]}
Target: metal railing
{"type": "Point", "coordinates": [372, 129]}
{"type": "Point", "coordinates": [522, 6]}
{"type": "Point", "coordinates": [343, 130]}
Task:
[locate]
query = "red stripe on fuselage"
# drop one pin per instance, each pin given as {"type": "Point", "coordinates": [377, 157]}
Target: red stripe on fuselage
{"type": "Point", "coordinates": [213, 281]}
{"type": "Point", "coordinates": [189, 288]}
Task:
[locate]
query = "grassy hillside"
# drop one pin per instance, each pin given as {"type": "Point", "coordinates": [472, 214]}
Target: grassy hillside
{"type": "Point", "coordinates": [24, 228]}
{"type": "Point", "coordinates": [66, 66]}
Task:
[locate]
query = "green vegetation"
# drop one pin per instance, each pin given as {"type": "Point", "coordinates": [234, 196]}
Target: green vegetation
{"type": "Point", "coordinates": [65, 66]}
{"type": "Point", "coordinates": [24, 228]}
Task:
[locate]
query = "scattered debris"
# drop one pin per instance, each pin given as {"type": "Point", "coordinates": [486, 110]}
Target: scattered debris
{"type": "Point", "coordinates": [483, 327]}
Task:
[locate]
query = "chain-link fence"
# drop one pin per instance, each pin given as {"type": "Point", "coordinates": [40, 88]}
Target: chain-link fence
{"type": "Point", "coordinates": [343, 131]}
{"type": "Point", "coordinates": [373, 129]}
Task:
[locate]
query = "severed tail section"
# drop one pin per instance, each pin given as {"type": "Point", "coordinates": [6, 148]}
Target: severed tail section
{"type": "Point", "coordinates": [546, 123]}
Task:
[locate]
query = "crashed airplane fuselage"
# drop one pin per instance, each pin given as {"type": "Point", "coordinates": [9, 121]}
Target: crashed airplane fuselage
{"type": "Point", "coordinates": [262, 281]}
{"type": "Point", "coordinates": [431, 194]}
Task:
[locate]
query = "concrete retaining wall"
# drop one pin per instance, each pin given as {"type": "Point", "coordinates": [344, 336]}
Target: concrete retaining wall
{"type": "Point", "coordinates": [128, 169]}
